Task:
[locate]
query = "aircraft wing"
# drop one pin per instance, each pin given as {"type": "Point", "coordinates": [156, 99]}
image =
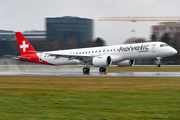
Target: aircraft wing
{"type": "Point", "coordinates": [70, 56]}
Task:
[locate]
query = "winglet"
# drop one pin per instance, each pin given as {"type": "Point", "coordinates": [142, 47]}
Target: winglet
{"type": "Point", "coordinates": [24, 45]}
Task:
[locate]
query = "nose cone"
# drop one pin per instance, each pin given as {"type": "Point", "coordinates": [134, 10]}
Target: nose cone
{"type": "Point", "coordinates": [173, 51]}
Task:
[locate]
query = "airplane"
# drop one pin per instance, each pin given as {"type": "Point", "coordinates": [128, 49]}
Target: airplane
{"type": "Point", "coordinates": [102, 57]}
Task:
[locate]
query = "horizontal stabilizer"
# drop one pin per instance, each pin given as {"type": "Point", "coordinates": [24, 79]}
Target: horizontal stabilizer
{"type": "Point", "coordinates": [17, 58]}
{"type": "Point", "coordinates": [35, 51]}
{"type": "Point", "coordinates": [9, 56]}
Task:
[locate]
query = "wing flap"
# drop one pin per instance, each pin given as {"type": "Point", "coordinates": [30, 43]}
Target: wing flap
{"type": "Point", "coordinates": [70, 56]}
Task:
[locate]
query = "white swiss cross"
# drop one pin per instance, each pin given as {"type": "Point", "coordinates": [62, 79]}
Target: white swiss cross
{"type": "Point", "coordinates": [24, 46]}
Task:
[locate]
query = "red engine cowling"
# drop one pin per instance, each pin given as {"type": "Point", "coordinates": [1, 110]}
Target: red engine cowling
{"type": "Point", "coordinates": [126, 63]}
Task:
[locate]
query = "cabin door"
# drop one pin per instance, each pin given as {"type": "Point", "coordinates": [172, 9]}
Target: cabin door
{"type": "Point", "coordinates": [153, 48]}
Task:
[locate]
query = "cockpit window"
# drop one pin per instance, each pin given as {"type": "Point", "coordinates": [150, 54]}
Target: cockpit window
{"type": "Point", "coordinates": [161, 45]}
{"type": "Point", "coordinates": [166, 45]}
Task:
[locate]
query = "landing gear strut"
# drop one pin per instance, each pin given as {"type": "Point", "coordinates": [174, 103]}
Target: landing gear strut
{"type": "Point", "coordinates": [102, 69]}
{"type": "Point", "coordinates": [158, 62]}
{"type": "Point", "coordinates": [86, 70]}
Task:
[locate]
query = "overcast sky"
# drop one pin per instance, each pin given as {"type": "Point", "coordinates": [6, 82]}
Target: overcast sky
{"type": "Point", "coordinates": [22, 15]}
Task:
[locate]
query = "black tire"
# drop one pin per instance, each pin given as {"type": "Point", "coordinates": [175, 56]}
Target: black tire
{"type": "Point", "coordinates": [86, 70]}
{"type": "Point", "coordinates": [102, 69]}
{"type": "Point", "coordinates": [158, 65]}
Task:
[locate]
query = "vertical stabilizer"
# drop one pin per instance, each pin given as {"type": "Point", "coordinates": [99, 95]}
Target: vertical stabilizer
{"type": "Point", "coordinates": [24, 46]}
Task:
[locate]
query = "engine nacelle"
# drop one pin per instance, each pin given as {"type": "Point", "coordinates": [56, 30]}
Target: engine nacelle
{"type": "Point", "coordinates": [101, 61]}
{"type": "Point", "coordinates": [126, 63]}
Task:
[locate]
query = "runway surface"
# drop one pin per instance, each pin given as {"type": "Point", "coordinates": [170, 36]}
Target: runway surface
{"type": "Point", "coordinates": [94, 73]}
{"type": "Point", "coordinates": [73, 71]}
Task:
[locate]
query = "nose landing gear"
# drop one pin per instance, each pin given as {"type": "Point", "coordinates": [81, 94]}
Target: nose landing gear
{"type": "Point", "coordinates": [158, 62]}
{"type": "Point", "coordinates": [158, 65]}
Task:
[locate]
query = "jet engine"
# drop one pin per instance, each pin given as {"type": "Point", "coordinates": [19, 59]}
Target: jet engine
{"type": "Point", "coordinates": [126, 63]}
{"type": "Point", "coordinates": [101, 61]}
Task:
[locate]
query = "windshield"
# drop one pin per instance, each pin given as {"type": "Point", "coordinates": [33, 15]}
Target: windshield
{"type": "Point", "coordinates": [163, 45]}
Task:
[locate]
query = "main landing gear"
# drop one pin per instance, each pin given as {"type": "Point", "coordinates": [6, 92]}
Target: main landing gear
{"type": "Point", "coordinates": [102, 69]}
{"type": "Point", "coordinates": [158, 62]}
{"type": "Point", "coordinates": [86, 70]}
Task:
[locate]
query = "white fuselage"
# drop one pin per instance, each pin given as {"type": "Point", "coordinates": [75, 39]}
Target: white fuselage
{"type": "Point", "coordinates": [117, 53]}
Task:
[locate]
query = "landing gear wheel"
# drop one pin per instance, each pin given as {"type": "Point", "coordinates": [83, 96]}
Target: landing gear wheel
{"type": "Point", "coordinates": [158, 65]}
{"type": "Point", "coordinates": [158, 62]}
{"type": "Point", "coordinates": [102, 69]}
{"type": "Point", "coordinates": [86, 70]}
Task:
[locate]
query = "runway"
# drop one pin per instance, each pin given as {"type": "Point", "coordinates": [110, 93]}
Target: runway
{"type": "Point", "coordinates": [73, 71]}
{"type": "Point", "coordinates": [94, 73]}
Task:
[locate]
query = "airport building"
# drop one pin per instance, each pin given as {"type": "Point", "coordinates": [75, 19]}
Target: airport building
{"type": "Point", "coordinates": [60, 33]}
{"type": "Point", "coordinates": [29, 35]}
{"type": "Point", "coordinates": [70, 32]}
{"type": "Point", "coordinates": [8, 43]}
{"type": "Point", "coordinates": [171, 28]}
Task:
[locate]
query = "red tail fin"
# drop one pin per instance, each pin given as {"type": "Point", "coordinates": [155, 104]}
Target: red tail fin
{"type": "Point", "coordinates": [24, 46]}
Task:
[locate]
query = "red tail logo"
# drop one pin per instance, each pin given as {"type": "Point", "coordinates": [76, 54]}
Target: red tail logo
{"type": "Point", "coordinates": [24, 46]}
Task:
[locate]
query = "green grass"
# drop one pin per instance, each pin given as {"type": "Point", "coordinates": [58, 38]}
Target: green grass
{"type": "Point", "coordinates": [94, 98]}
